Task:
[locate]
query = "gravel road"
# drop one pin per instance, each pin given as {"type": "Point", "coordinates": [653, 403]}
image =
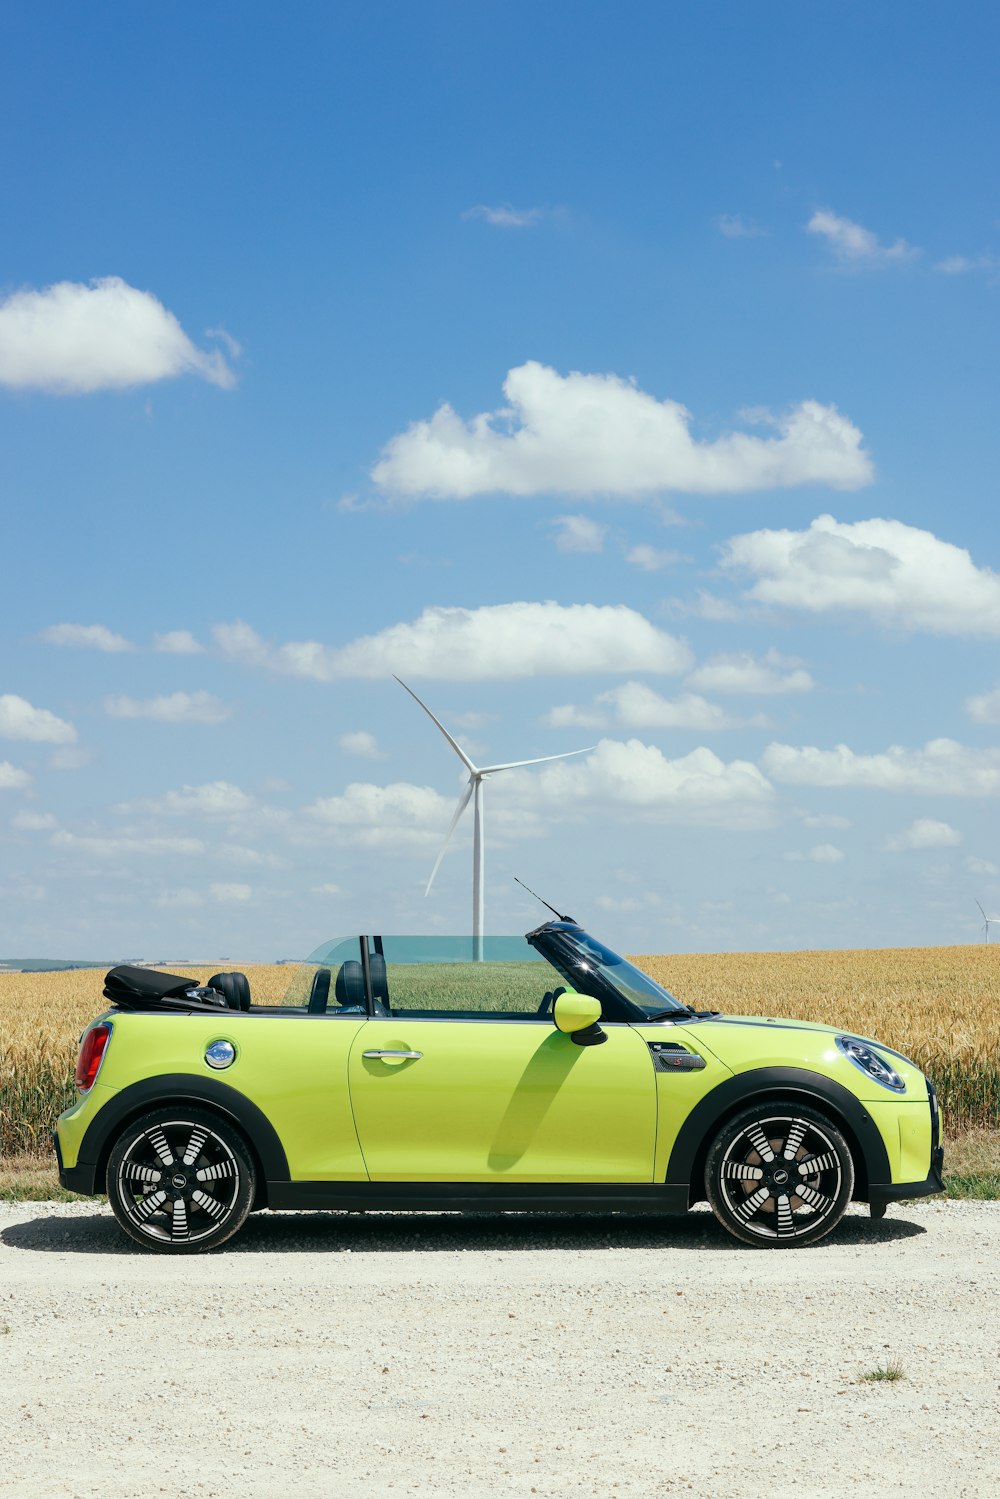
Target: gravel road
{"type": "Point", "coordinates": [333, 1357]}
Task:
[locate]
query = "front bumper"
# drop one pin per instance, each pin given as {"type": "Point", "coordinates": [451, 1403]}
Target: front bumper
{"type": "Point", "coordinates": [880, 1195]}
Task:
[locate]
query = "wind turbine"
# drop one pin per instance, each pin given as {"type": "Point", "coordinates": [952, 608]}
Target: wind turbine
{"type": "Point", "coordinates": [986, 922]}
{"type": "Point", "coordinates": [474, 791]}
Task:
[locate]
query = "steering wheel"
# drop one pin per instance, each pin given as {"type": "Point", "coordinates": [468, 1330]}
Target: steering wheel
{"type": "Point", "coordinates": [549, 998]}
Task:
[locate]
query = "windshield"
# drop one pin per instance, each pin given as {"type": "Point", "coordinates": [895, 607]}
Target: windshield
{"type": "Point", "coordinates": [407, 975]}
{"type": "Point", "coordinates": [581, 959]}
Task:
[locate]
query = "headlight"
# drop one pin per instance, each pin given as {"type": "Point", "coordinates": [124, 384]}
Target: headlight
{"type": "Point", "coordinates": [868, 1061]}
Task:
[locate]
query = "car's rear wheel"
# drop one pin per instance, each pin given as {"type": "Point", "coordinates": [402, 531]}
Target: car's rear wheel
{"type": "Point", "coordinates": [180, 1180]}
{"type": "Point", "coordinates": [779, 1175]}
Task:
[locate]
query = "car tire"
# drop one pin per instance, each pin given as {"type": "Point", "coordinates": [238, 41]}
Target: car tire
{"type": "Point", "coordinates": [779, 1175]}
{"type": "Point", "coordinates": [180, 1180]}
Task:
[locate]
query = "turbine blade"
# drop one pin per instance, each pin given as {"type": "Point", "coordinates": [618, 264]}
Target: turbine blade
{"type": "Point", "coordinates": [463, 802]}
{"type": "Point", "coordinates": [488, 770]}
{"type": "Point", "coordinates": [985, 917]}
{"type": "Point", "coordinates": [459, 751]}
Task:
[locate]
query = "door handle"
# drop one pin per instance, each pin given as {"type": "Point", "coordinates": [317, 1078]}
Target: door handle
{"type": "Point", "coordinates": [399, 1056]}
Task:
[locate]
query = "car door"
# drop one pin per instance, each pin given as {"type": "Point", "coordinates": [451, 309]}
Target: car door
{"type": "Point", "coordinates": [472, 1091]}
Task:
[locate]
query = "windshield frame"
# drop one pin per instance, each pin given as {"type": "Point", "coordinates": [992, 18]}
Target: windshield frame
{"type": "Point", "coordinates": [559, 942]}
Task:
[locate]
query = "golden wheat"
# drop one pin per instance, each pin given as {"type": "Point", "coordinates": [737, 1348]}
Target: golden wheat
{"type": "Point", "coordinates": [940, 1006]}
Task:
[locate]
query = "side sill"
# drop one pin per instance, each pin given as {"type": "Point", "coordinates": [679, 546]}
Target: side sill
{"type": "Point", "coordinates": [474, 1197]}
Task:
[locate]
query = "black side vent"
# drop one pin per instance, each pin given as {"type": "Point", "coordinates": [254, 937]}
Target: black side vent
{"type": "Point", "coordinates": [671, 1056]}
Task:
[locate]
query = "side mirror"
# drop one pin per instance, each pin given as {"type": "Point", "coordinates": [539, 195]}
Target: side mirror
{"type": "Point", "coordinates": [577, 1016]}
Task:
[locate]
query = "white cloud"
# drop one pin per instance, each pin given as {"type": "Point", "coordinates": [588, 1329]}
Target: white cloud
{"type": "Point", "coordinates": [12, 779]}
{"type": "Point", "coordinates": [650, 900]}
{"type": "Point", "coordinates": [34, 822]}
{"type": "Point", "coordinates": [735, 226]}
{"type": "Point", "coordinates": [825, 820]}
{"type": "Point", "coordinates": [231, 895]}
{"type": "Point", "coordinates": [598, 434]}
{"type": "Point", "coordinates": [854, 245]}
{"type": "Point", "coordinates": [579, 533]}
{"type": "Point", "coordinates": [503, 216]}
{"type": "Point", "coordinates": [70, 757]}
{"type": "Point", "coordinates": [404, 818]}
{"type": "Point", "coordinates": [984, 707]}
{"type": "Point", "coordinates": [19, 720]}
{"type": "Point", "coordinates": [962, 265]}
{"type": "Point", "coordinates": [976, 865]}
{"type": "Point", "coordinates": [178, 707]}
{"type": "Point", "coordinates": [926, 832]}
{"type": "Point", "coordinates": [233, 346]}
{"type": "Point", "coordinates": [177, 643]}
{"type": "Point", "coordinates": [213, 799]}
{"type": "Point", "coordinates": [326, 890]}
{"type": "Point", "coordinates": [398, 816]}
{"type": "Point", "coordinates": [117, 847]}
{"type": "Point", "coordinates": [742, 672]}
{"type": "Point", "coordinates": [652, 559]}
{"type": "Point", "coordinates": [569, 716]}
{"type": "Point", "coordinates": [182, 899]}
{"type": "Point", "coordinates": [943, 767]}
{"type": "Point", "coordinates": [470, 719]}
{"type": "Point", "coordinates": [87, 637]}
{"type": "Point", "coordinates": [894, 573]}
{"type": "Point", "coordinates": [821, 853]}
{"type": "Point", "coordinates": [639, 707]}
{"type": "Point", "coordinates": [71, 338]}
{"type": "Point", "coordinates": [360, 742]}
{"type": "Point", "coordinates": [496, 642]}
{"type": "Point", "coordinates": [237, 853]}
{"type": "Point", "coordinates": [710, 606]}
{"type": "Point", "coordinates": [637, 779]}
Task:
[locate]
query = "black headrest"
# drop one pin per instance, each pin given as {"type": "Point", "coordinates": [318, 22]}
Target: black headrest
{"type": "Point", "coordinates": [380, 983]}
{"type": "Point", "coordinates": [234, 989]}
{"type": "Point", "coordinates": [349, 989]}
{"type": "Point", "coordinates": [319, 994]}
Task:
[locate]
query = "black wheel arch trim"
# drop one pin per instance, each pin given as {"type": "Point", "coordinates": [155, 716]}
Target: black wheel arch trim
{"type": "Point", "coordinates": [88, 1175]}
{"type": "Point", "coordinates": [831, 1098]}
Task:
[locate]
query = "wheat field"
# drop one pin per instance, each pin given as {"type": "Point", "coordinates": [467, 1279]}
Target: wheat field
{"type": "Point", "coordinates": [938, 1005]}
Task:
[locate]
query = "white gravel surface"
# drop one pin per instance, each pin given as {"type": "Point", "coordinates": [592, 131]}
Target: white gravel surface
{"type": "Point", "coordinates": [349, 1356]}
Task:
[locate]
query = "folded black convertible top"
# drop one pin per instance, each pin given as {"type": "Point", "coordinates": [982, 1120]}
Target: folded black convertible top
{"type": "Point", "coordinates": [145, 989]}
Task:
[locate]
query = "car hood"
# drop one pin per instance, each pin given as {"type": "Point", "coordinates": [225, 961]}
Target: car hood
{"type": "Point", "coordinates": [742, 1041]}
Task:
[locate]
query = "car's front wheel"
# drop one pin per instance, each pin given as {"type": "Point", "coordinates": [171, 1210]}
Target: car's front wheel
{"type": "Point", "coordinates": [779, 1175]}
{"type": "Point", "coordinates": [180, 1180]}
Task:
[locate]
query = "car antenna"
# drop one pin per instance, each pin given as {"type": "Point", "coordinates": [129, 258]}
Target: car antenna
{"type": "Point", "coordinates": [544, 902]}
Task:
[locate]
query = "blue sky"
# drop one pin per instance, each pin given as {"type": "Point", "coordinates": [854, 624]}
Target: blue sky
{"type": "Point", "coordinates": [619, 377]}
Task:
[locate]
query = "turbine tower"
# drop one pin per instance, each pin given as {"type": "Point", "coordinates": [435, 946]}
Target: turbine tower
{"type": "Point", "coordinates": [474, 792]}
{"type": "Point", "coordinates": [986, 922]}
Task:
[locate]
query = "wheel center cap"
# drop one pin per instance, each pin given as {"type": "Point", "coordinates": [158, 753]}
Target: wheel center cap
{"type": "Point", "coordinates": [179, 1180]}
{"type": "Point", "coordinates": [780, 1176]}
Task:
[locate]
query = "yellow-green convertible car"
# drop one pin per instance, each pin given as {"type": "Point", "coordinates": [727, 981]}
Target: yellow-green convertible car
{"type": "Point", "coordinates": [530, 1073]}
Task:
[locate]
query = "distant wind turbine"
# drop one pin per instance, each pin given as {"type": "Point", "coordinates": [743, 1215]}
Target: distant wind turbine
{"type": "Point", "coordinates": [986, 922]}
{"type": "Point", "coordinates": [474, 791]}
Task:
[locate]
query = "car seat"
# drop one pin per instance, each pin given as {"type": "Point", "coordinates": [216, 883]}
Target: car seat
{"type": "Point", "coordinates": [319, 994]}
{"type": "Point", "coordinates": [380, 984]}
{"type": "Point", "coordinates": [349, 989]}
{"type": "Point", "coordinates": [234, 988]}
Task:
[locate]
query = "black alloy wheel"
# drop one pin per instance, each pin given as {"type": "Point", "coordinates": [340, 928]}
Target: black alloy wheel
{"type": "Point", "coordinates": [779, 1175]}
{"type": "Point", "coordinates": [180, 1180]}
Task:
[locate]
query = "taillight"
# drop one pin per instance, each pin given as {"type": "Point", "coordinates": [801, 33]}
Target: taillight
{"type": "Point", "coordinates": [88, 1063]}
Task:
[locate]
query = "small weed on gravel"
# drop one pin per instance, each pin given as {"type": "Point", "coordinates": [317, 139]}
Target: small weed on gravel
{"type": "Point", "coordinates": [889, 1373]}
